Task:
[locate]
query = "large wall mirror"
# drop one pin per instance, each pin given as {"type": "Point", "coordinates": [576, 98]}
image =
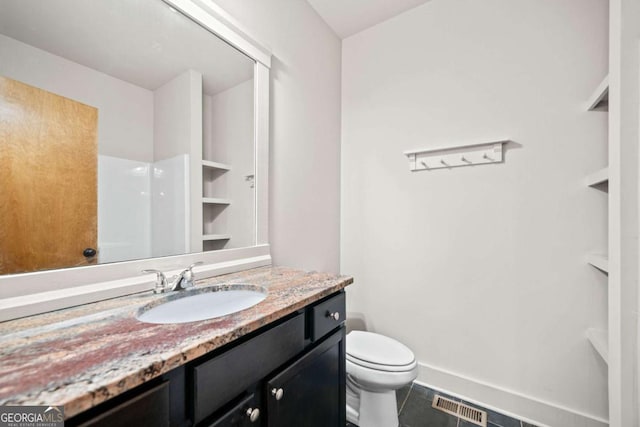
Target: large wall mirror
{"type": "Point", "coordinates": [128, 131]}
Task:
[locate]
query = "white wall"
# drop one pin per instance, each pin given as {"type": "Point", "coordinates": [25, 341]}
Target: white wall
{"type": "Point", "coordinates": [173, 105]}
{"type": "Point", "coordinates": [480, 270]}
{"type": "Point", "coordinates": [304, 177]}
{"type": "Point", "coordinates": [178, 130]}
{"type": "Point", "coordinates": [231, 141]}
{"type": "Point", "coordinates": [125, 111]}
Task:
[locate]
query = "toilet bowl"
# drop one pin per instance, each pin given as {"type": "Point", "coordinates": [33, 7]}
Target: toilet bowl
{"type": "Point", "coordinates": [376, 367]}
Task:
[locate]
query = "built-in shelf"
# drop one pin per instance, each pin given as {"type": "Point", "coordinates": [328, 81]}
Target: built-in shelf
{"type": "Point", "coordinates": [601, 262]}
{"type": "Point", "coordinates": [216, 201]}
{"type": "Point", "coordinates": [599, 100]}
{"type": "Point", "coordinates": [468, 154]}
{"type": "Point", "coordinates": [597, 178]}
{"type": "Point", "coordinates": [212, 171]}
{"type": "Point", "coordinates": [211, 237]}
{"type": "Point", "coordinates": [600, 341]}
{"type": "Point", "coordinates": [216, 165]}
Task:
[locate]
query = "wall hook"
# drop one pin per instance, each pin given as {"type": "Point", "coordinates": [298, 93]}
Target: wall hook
{"type": "Point", "coordinates": [469, 154]}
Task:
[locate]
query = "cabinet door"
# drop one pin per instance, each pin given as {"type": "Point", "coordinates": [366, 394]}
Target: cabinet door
{"type": "Point", "coordinates": [244, 414]}
{"type": "Point", "coordinates": [311, 391]}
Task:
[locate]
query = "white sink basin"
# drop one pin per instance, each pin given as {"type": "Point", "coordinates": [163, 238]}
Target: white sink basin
{"type": "Point", "coordinates": [202, 306]}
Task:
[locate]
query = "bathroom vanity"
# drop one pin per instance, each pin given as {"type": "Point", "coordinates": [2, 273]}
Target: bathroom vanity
{"type": "Point", "coordinates": [279, 363]}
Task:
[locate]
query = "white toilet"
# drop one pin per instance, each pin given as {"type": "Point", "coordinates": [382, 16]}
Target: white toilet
{"type": "Point", "coordinates": [376, 367]}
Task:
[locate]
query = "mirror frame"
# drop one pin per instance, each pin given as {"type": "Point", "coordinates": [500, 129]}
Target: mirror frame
{"type": "Point", "coordinates": [43, 291]}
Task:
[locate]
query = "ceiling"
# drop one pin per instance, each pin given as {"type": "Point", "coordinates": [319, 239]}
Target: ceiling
{"type": "Point", "coordinates": [347, 17]}
{"type": "Point", "coordinates": [143, 42]}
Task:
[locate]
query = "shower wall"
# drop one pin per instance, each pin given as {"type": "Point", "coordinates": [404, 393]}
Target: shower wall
{"type": "Point", "coordinates": [142, 208]}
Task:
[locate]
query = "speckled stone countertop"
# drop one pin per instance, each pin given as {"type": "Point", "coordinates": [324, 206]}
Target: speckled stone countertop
{"type": "Point", "coordinates": [81, 356]}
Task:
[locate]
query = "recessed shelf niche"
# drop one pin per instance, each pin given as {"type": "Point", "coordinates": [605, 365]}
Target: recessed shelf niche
{"type": "Point", "coordinates": [599, 101]}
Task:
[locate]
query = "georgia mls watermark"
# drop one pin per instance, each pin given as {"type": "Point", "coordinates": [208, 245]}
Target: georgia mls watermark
{"type": "Point", "coordinates": [31, 416]}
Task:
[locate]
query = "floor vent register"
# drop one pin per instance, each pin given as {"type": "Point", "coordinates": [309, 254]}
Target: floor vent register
{"type": "Point", "coordinates": [464, 412]}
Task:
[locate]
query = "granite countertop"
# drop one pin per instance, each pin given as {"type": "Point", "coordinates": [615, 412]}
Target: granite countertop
{"type": "Point", "coordinates": [82, 356]}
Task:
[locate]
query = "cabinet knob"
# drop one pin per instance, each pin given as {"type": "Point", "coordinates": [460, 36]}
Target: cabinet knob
{"type": "Point", "coordinates": [334, 316]}
{"type": "Point", "coordinates": [278, 393]}
{"type": "Point", "coordinates": [253, 414]}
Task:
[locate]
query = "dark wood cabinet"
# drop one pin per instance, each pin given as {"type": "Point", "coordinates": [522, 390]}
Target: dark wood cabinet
{"type": "Point", "coordinates": [149, 408]}
{"type": "Point", "coordinates": [222, 378]}
{"type": "Point", "coordinates": [311, 391]}
{"type": "Point", "coordinates": [244, 414]}
{"type": "Point", "coordinates": [289, 373]}
{"type": "Point", "coordinates": [326, 316]}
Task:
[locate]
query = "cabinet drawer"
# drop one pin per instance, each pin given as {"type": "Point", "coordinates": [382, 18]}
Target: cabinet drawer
{"type": "Point", "coordinates": [148, 409]}
{"type": "Point", "coordinates": [240, 415]}
{"type": "Point", "coordinates": [327, 316]}
{"type": "Point", "coordinates": [232, 372]}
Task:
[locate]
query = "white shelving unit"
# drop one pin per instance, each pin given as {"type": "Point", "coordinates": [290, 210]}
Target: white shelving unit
{"type": "Point", "coordinates": [601, 262]}
{"type": "Point", "coordinates": [599, 100]}
{"type": "Point", "coordinates": [216, 201]}
{"type": "Point", "coordinates": [600, 341]}
{"type": "Point", "coordinates": [216, 165]}
{"type": "Point", "coordinates": [620, 90]}
{"type": "Point", "coordinates": [213, 237]}
{"type": "Point", "coordinates": [597, 178]}
{"type": "Point", "coordinates": [214, 229]}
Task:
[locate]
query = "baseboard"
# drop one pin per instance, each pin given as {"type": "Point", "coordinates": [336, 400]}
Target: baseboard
{"type": "Point", "coordinates": [513, 404]}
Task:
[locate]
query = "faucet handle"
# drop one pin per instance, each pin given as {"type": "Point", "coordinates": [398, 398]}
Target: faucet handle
{"type": "Point", "coordinates": [195, 264]}
{"type": "Point", "coordinates": [161, 280]}
{"type": "Point", "coordinates": [188, 276]}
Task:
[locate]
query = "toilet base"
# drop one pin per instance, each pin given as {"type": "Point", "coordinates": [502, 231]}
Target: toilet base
{"type": "Point", "coordinates": [371, 408]}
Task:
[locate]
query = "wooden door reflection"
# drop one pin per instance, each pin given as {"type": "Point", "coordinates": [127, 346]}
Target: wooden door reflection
{"type": "Point", "coordinates": [48, 179]}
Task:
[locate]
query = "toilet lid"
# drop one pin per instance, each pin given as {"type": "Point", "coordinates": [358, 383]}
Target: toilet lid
{"type": "Point", "coordinates": [377, 367]}
{"type": "Point", "coordinates": [376, 349]}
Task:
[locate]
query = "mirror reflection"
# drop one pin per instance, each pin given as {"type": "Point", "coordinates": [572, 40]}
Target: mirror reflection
{"type": "Point", "coordinates": [126, 132]}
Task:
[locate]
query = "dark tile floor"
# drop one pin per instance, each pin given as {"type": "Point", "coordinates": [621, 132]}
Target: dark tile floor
{"type": "Point", "coordinates": [414, 409]}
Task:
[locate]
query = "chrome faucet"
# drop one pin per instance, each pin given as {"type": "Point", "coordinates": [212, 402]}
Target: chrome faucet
{"type": "Point", "coordinates": [184, 280]}
{"type": "Point", "coordinates": [161, 281]}
{"type": "Point", "coordinates": [179, 282]}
